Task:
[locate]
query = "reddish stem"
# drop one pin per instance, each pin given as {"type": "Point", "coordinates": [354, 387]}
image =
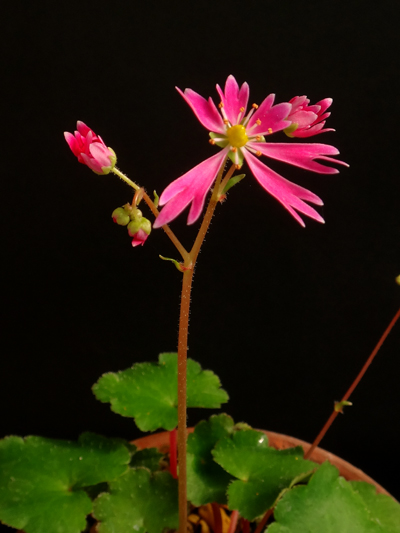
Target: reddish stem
{"type": "Point", "coordinates": [173, 457]}
{"type": "Point", "coordinates": [233, 522]}
{"type": "Point", "coordinates": [245, 526]}
{"type": "Point", "coordinates": [352, 386]}
{"type": "Point", "coordinates": [264, 520]}
{"type": "Point", "coordinates": [217, 518]}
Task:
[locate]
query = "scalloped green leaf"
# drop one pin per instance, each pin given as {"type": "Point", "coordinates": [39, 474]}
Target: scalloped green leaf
{"type": "Point", "coordinates": [262, 471]}
{"type": "Point", "coordinates": [138, 501]}
{"type": "Point", "coordinates": [147, 392]}
{"type": "Point", "coordinates": [384, 510]}
{"type": "Point", "coordinates": [328, 504]}
{"type": "Point", "coordinates": [206, 480]}
{"type": "Point", "coordinates": [149, 458]}
{"type": "Point", "coordinates": [42, 480]}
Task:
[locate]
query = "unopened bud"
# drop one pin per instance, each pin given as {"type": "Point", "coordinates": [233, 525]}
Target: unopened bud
{"type": "Point", "coordinates": [120, 216]}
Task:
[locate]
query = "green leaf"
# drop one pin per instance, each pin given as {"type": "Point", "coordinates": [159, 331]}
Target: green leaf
{"type": "Point", "coordinates": [328, 504]}
{"type": "Point", "coordinates": [383, 510]}
{"type": "Point", "coordinates": [42, 480]}
{"type": "Point", "coordinates": [147, 392]}
{"type": "Point", "coordinates": [149, 458]}
{"type": "Point", "coordinates": [138, 501]}
{"type": "Point", "coordinates": [206, 481]}
{"type": "Point", "coordinates": [262, 472]}
{"type": "Point", "coordinates": [233, 181]}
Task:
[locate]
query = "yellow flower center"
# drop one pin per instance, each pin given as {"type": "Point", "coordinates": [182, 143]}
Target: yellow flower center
{"type": "Point", "coordinates": [237, 136]}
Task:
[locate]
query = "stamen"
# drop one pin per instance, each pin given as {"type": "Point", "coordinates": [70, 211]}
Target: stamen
{"type": "Point", "coordinates": [226, 121]}
{"type": "Point", "coordinates": [258, 137]}
{"type": "Point", "coordinates": [255, 106]}
{"type": "Point", "coordinates": [220, 105]}
{"type": "Point", "coordinates": [211, 141]}
{"type": "Point", "coordinates": [258, 153]}
{"type": "Point", "coordinates": [238, 167]}
{"type": "Point", "coordinates": [270, 130]}
{"type": "Point", "coordinates": [258, 122]}
{"type": "Point", "coordinates": [233, 149]}
{"type": "Point", "coordinates": [241, 109]}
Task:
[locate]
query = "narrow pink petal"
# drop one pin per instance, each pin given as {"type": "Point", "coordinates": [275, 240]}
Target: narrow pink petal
{"type": "Point", "coordinates": [234, 99]}
{"type": "Point", "coordinates": [72, 143]}
{"type": "Point", "coordinates": [82, 128]}
{"type": "Point", "coordinates": [314, 130]}
{"type": "Point", "coordinates": [205, 111]}
{"type": "Point", "coordinates": [289, 194]}
{"type": "Point", "coordinates": [303, 118]}
{"type": "Point", "coordinates": [191, 187]}
{"type": "Point", "coordinates": [301, 155]}
{"type": "Point", "coordinates": [92, 163]}
{"type": "Point", "coordinates": [325, 103]}
{"type": "Point", "coordinates": [101, 154]}
{"type": "Point", "coordinates": [270, 119]}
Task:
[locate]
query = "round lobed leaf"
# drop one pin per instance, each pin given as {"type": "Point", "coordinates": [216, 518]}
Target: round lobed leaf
{"type": "Point", "coordinates": [42, 480]}
{"type": "Point", "coordinates": [147, 392]}
{"type": "Point", "coordinates": [262, 472]}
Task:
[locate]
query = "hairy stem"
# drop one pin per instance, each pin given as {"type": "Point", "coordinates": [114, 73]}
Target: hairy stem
{"type": "Point", "coordinates": [189, 264]}
{"type": "Point", "coordinates": [352, 386]}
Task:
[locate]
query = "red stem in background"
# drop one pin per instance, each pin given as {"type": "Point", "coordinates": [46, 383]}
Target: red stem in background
{"type": "Point", "coordinates": [217, 518]}
{"type": "Point", "coordinates": [233, 522]}
{"type": "Point", "coordinates": [245, 526]}
{"type": "Point", "coordinates": [264, 520]}
{"type": "Point", "coordinates": [173, 454]}
{"type": "Point", "coordinates": [352, 386]}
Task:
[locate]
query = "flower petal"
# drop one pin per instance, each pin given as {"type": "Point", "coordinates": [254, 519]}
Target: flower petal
{"type": "Point", "coordinates": [234, 99]}
{"type": "Point", "coordinates": [205, 111]}
{"type": "Point", "coordinates": [72, 143]}
{"type": "Point", "coordinates": [289, 194]}
{"type": "Point", "coordinates": [270, 117]}
{"type": "Point", "coordinates": [301, 155]}
{"type": "Point", "coordinates": [82, 128]}
{"type": "Point", "coordinates": [191, 187]}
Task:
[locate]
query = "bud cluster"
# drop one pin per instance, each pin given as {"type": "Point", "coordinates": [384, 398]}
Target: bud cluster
{"type": "Point", "coordinates": [138, 226]}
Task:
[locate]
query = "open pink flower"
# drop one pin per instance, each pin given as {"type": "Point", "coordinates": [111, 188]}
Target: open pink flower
{"type": "Point", "coordinates": [90, 149]}
{"type": "Point", "coordinates": [307, 120]}
{"type": "Point", "coordinates": [242, 137]}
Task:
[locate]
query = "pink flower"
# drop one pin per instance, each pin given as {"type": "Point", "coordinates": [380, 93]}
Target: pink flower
{"type": "Point", "coordinates": [242, 137]}
{"type": "Point", "coordinates": [307, 120]}
{"type": "Point", "coordinates": [90, 149]}
{"type": "Point", "coordinates": [139, 238]}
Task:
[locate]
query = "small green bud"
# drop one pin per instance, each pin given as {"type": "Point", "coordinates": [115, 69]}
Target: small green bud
{"type": "Point", "coordinates": [120, 216]}
{"type": "Point", "coordinates": [291, 129]}
{"type": "Point", "coordinates": [134, 226]}
{"type": "Point", "coordinates": [145, 225]}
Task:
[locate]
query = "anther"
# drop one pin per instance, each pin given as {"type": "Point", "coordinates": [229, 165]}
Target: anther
{"type": "Point", "coordinates": [255, 106]}
{"type": "Point", "coordinates": [220, 105]}
{"type": "Point", "coordinates": [270, 130]}
{"type": "Point", "coordinates": [258, 153]}
{"type": "Point", "coordinates": [211, 141]}
{"type": "Point", "coordinates": [237, 167]}
{"type": "Point", "coordinates": [226, 121]}
{"type": "Point", "coordinates": [258, 122]}
{"type": "Point", "coordinates": [258, 138]}
{"type": "Point", "coordinates": [241, 109]}
{"type": "Point", "coordinates": [233, 149]}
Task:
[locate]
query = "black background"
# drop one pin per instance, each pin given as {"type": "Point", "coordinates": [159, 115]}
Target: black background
{"type": "Point", "coordinates": [285, 316]}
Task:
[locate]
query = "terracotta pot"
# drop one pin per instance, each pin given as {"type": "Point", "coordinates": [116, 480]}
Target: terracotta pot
{"type": "Point", "coordinates": [280, 442]}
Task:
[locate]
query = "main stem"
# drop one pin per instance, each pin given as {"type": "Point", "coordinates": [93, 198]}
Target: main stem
{"type": "Point", "coordinates": [188, 270]}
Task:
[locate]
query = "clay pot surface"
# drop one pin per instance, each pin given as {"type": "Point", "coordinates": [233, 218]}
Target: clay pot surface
{"type": "Point", "coordinates": [280, 442]}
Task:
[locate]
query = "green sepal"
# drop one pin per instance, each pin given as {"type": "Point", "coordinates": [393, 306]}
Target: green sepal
{"type": "Point", "coordinates": [236, 157]}
{"type": "Point", "coordinates": [43, 481]}
{"type": "Point", "coordinates": [221, 144]}
{"type": "Point", "coordinates": [138, 501]}
{"type": "Point", "coordinates": [262, 472]}
{"type": "Point", "coordinates": [174, 261]}
{"type": "Point", "coordinates": [156, 198]}
{"type": "Point", "coordinates": [207, 481]}
{"type": "Point", "coordinates": [233, 181]}
{"type": "Point", "coordinates": [147, 392]}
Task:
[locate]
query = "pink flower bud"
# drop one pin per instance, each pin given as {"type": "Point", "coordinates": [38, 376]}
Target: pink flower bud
{"type": "Point", "coordinates": [139, 229]}
{"type": "Point", "coordinates": [307, 120]}
{"type": "Point", "coordinates": [90, 149]}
